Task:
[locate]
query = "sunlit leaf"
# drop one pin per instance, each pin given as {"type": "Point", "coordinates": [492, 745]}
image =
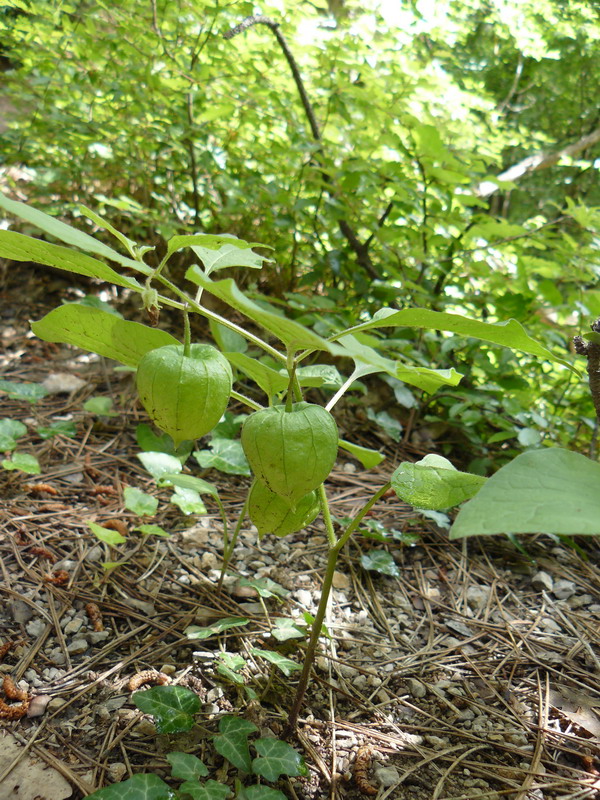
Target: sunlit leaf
{"type": "Point", "coordinates": [172, 707]}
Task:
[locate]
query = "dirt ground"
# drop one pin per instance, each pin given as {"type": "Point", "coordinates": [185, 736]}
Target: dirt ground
{"type": "Point", "coordinates": [475, 673]}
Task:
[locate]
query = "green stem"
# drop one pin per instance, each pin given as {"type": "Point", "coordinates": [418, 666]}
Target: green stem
{"type": "Point", "coordinates": [205, 312]}
{"type": "Point", "coordinates": [229, 546]}
{"type": "Point", "coordinates": [187, 337]}
{"type": "Point", "coordinates": [246, 401]}
{"type": "Point", "coordinates": [335, 547]}
{"type": "Point", "coordinates": [291, 368]}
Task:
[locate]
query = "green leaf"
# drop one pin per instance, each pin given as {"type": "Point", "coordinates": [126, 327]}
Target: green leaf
{"type": "Point", "coordinates": [268, 379]}
{"type": "Point", "coordinates": [380, 561]}
{"type": "Point", "coordinates": [189, 482]}
{"type": "Point", "coordinates": [434, 483]}
{"type": "Point", "coordinates": [226, 339]}
{"type": "Point", "coordinates": [186, 767]}
{"type": "Point", "coordinates": [128, 243]}
{"type": "Point", "coordinates": [285, 628]}
{"type": "Point", "coordinates": [225, 455]}
{"type": "Point", "coordinates": [367, 457]}
{"type": "Point", "coordinates": [139, 787]}
{"type": "Point", "coordinates": [61, 428]}
{"type": "Point", "coordinates": [507, 334]}
{"type": "Point", "coordinates": [188, 501]}
{"type": "Point", "coordinates": [550, 491]}
{"type": "Point", "coordinates": [317, 375]}
{"type": "Point", "coordinates": [18, 247]}
{"type": "Point", "coordinates": [160, 464]}
{"type": "Point", "coordinates": [101, 406]}
{"type": "Point", "coordinates": [259, 792]}
{"type": "Point", "coordinates": [264, 586]}
{"type": "Point", "coordinates": [368, 361]}
{"type": "Point", "coordinates": [277, 758]}
{"type": "Point", "coordinates": [229, 256]}
{"type": "Point", "coordinates": [152, 530]}
{"type": "Point", "coordinates": [65, 233]}
{"type": "Point", "coordinates": [529, 437]}
{"type": "Point", "coordinates": [106, 534]}
{"type": "Point", "coordinates": [232, 743]}
{"type": "Point", "coordinates": [195, 632]}
{"type": "Point", "coordinates": [25, 462]}
{"type": "Point", "coordinates": [10, 431]}
{"type": "Point", "coordinates": [100, 332]}
{"type": "Point", "coordinates": [389, 424]}
{"type": "Point", "coordinates": [286, 665]}
{"type": "Point", "coordinates": [171, 706]}
{"type": "Point", "coordinates": [229, 666]}
{"type": "Point", "coordinates": [32, 392]}
{"type": "Point", "coordinates": [140, 502]}
{"type": "Point", "coordinates": [209, 241]}
{"type": "Point", "coordinates": [292, 334]}
{"type": "Point", "coordinates": [209, 790]}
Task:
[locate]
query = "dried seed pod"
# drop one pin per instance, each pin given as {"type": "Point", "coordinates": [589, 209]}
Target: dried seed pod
{"type": "Point", "coordinates": [291, 452]}
{"type": "Point", "coordinates": [273, 514]}
{"type": "Point", "coordinates": [184, 395]}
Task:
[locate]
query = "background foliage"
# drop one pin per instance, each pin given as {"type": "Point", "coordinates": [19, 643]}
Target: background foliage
{"type": "Point", "coordinates": [144, 111]}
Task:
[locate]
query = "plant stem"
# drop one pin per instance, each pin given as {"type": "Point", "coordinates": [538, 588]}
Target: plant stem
{"type": "Point", "coordinates": [228, 546]}
{"type": "Point", "coordinates": [187, 337]}
{"type": "Point", "coordinates": [246, 401]}
{"type": "Point", "coordinates": [335, 547]}
{"type": "Point", "coordinates": [291, 368]}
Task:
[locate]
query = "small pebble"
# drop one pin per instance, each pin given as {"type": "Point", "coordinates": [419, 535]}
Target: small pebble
{"type": "Point", "coordinates": [73, 625]}
{"type": "Point", "coordinates": [116, 771]}
{"type": "Point", "coordinates": [386, 776]}
{"type": "Point", "coordinates": [416, 688]}
{"type": "Point", "coordinates": [564, 589]}
{"type": "Point", "coordinates": [542, 581]}
{"type": "Point", "coordinates": [304, 597]}
{"type": "Point", "coordinates": [38, 704]}
{"type": "Point", "coordinates": [77, 646]}
{"type": "Point", "coordinates": [35, 627]}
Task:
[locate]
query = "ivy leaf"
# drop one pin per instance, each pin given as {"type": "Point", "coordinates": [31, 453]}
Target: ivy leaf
{"type": "Point", "coordinates": [226, 455]}
{"type": "Point", "coordinates": [186, 766]}
{"type": "Point", "coordinates": [285, 628]}
{"type": "Point", "coordinates": [60, 428]}
{"type": "Point", "coordinates": [139, 787]}
{"type": "Point", "coordinates": [151, 442]}
{"type": "Point", "coordinates": [139, 502]}
{"type": "Point", "coordinates": [551, 491]}
{"type": "Point", "coordinates": [259, 792]}
{"type": "Point", "coordinates": [229, 666]}
{"type": "Point", "coordinates": [380, 561]}
{"type": "Point", "coordinates": [25, 462]}
{"type": "Point", "coordinates": [188, 500]}
{"type": "Point", "coordinates": [434, 483]}
{"type": "Point", "coordinates": [160, 464]}
{"type": "Point", "coordinates": [100, 332]}
{"type": "Point", "coordinates": [286, 665]}
{"type": "Point", "coordinates": [277, 758]}
{"type": "Point", "coordinates": [264, 586]}
{"type": "Point", "coordinates": [32, 392]}
{"type": "Point", "coordinates": [196, 632]}
{"type": "Point", "coordinates": [232, 743]}
{"type": "Point", "coordinates": [171, 706]}
{"type": "Point", "coordinates": [209, 790]}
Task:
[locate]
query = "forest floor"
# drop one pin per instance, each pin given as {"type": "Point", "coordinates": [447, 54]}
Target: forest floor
{"type": "Point", "coordinates": [475, 673]}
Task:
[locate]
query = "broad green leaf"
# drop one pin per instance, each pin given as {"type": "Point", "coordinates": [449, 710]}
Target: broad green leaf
{"type": "Point", "coordinates": [277, 758]}
{"type": "Point", "coordinates": [507, 334]}
{"type": "Point", "coordinates": [152, 530]}
{"type": "Point", "coordinates": [186, 766]}
{"type": "Point", "coordinates": [292, 334]}
{"type": "Point", "coordinates": [227, 340]}
{"type": "Point", "coordinates": [10, 431]}
{"type": "Point", "coordinates": [259, 792]}
{"type": "Point", "coordinates": [128, 243]}
{"type": "Point", "coordinates": [32, 392]}
{"type": "Point", "coordinates": [434, 483]}
{"type": "Point", "coordinates": [150, 441]}
{"type": "Point", "coordinates": [209, 790]}
{"type": "Point", "coordinates": [264, 586]}
{"type": "Point", "coordinates": [319, 375]}
{"type": "Point", "coordinates": [380, 561]}
{"type": "Point", "coordinates": [140, 502]}
{"type": "Point", "coordinates": [285, 628]}
{"type": "Point", "coordinates": [60, 428]}
{"type": "Point", "coordinates": [189, 482]}
{"type": "Point", "coordinates": [286, 665]}
{"type": "Point", "coordinates": [195, 632]}
{"type": "Point", "coordinates": [225, 455]}
{"type": "Point", "coordinates": [367, 457]}
{"type": "Point", "coordinates": [229, 256]}
{"type": "Point", "coordinates": [541, 491]}
{"type": "Point", "coordinates": [139, 787]}
{"type": "Point", "coordinates": [18, 247]}
{"type": "Point", "coordinates": [106, 534]}
{"type": "Point", "coordinates": [159, 464]}
{"type": "Point", "coordinates": [529, 437]}
{"type": "Point", "coordinates": [268, 379]}
{"type": "Point", "coordinates": [369, 361]}
{"type": "Point", "coordinates": [65, 233]}
{"type": "Point", "coordinates": [172, 707]}
{"type": "Point", "coordinates": [25, 462]}
{"type": "Point", "coordinates": [232, 741]}
{"type": "Point", "coordinates": [102, 406]}
{"type": "Point", "coordinates": [100, 332]}
{"type": "Point", "coordinates": [188, 501]}
{"type": "Point", "coordinates": [208, 241]}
